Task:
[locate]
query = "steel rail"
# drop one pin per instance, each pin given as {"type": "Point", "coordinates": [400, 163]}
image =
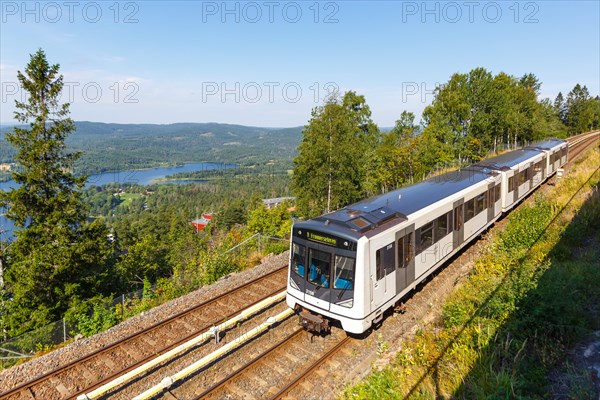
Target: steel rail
{"type": "Point", "coordinates": [243, 368]}
{"type": "Point", "coordinates": [208, 359]}
{"type": "Point", "coordinates": [304, 374]}
{"type": "Point", "coordinates": [73, 364]}
{"type": "Point", "coordinates": [177, 351]}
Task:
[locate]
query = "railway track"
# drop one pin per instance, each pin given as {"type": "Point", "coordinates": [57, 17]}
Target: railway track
{"type": "Point", "coordinates": [274, 371]}
{"type": "Point", "coordinates": [578, 144]}
{"type": "Point", "coordinates": [106, 364]}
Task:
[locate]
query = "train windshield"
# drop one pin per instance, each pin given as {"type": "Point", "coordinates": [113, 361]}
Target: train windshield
{"type": "Point", "coordinates": [344, 273]}
{"type": "Point", "coordinates": [298, 258]}
{"type": "Point", "coordinates": [319, 268]}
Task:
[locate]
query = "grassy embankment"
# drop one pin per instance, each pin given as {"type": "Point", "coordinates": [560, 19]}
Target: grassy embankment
{"type": "Point", "coordinates": [530, 298]}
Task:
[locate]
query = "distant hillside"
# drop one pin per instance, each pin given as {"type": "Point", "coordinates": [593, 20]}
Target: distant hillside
{"type": "Point", "coordinates": [126, 146]}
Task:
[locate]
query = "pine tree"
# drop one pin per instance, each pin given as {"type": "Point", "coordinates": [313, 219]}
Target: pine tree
{"type": "Point", "coordinates": [560, 107]}
{"type": "Point", "coordinates": [580, 110]}
{"type": "Point", "coordinates": [56, 255]}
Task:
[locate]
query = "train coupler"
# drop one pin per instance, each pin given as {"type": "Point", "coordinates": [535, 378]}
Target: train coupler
{"type": "Point", "coordinates": [316, 324]}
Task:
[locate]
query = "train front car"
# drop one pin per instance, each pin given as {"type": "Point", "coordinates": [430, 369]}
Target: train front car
{"type": "Point", "coordinates": [323, 274]}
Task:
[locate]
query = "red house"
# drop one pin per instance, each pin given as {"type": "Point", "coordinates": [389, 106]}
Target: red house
{"type": "Point", "coordinates": [201, 223]}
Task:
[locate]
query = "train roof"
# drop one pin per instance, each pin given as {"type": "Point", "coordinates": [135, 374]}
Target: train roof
{"type": "Point", "coordinates": [547, 144]}
{"type": "Point", "coordinates": [355, 220]}
{"type": "Point", "coordinates": [508, 160]}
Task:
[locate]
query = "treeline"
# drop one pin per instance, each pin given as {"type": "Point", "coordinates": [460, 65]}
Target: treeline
{"type": "Point", "coordinates": [113, 147]}
{"type": "Point", "coordinates": [112, 201]}
{"type": "Point", "coordinates": [344, 157]}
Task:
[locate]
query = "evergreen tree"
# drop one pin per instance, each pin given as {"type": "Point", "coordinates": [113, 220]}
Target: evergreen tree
{"type": "Point", "coordinates": [560, 107]}
{"type": "Point", "coordinates": [56, 255]}
{"type": "Point", "coordinates": [580, 110]}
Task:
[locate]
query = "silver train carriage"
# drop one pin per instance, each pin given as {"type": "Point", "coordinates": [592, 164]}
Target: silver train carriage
{"type": "Point", "coordinates": [353, 264]}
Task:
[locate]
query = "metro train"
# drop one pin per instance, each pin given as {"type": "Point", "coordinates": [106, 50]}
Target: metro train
{"type": "Point", "coordinates": [353, 264]}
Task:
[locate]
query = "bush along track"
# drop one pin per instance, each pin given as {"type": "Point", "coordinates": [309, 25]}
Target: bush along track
{"type": "Point", "coordinates": [511, 327]}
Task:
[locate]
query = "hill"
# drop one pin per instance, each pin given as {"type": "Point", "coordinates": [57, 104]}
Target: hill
{"type": "Point", "coordinates": [108, 146]}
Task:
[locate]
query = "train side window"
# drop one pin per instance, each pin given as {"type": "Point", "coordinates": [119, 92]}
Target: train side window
{"type": "Point", "coordinates": [425, 237]}
{"type": "Point", "coordinates": [522, 177]}
{"type": "Point", "coordinates": [458, 217]}
{"type": "Point", "coordinates": [480, 203]}
{"type": "Point", "coordinates": [497, 192]}
{"type": "Point", "coordinates": [344, 273]}
{"type": "Point", "coordinates": [469, 209]}
{"type": "Point", "coordinates": [385, 260]}
{"type": "Point", "coordinates": [511, 184]}
{"type": "Point", "coordinates": [442, 226]}
{"type": "Point", "coordinates": [401, 257]}
{"type": "Point", "coordinates": [298, 259]}
{"type": "Point", "coordinates": [405, 250]}
{"type": "Point", "coordinates": [490, 198]}
{"type": "Point", "coordinates": [389, 258]}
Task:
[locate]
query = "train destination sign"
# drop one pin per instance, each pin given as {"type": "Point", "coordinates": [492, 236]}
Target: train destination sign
{"type": "Point", "coordinates": [321, 239]}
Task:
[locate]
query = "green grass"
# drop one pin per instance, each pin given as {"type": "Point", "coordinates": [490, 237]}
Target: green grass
{"type": "Point", "coordinates": [127, 198]}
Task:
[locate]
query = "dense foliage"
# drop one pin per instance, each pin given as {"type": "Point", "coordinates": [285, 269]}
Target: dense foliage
{"type": "Point", "coordinates": [343, 157]}
{"type": "Point", "coordinates": [331, 169]}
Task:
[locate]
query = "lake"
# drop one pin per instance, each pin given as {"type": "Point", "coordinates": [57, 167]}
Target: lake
{"type": "Point", "coordinates": [139, 176]}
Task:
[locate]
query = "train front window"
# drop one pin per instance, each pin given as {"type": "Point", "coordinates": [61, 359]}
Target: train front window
{"type": "Point", "coordinates": [344, 273]}
{"type": "Point", "coordinates": [299, 259]}
{"type": "Point", "coordinates": [319, 268]}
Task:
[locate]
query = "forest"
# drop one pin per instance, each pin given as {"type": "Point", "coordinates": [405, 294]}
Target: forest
{"type": "Point", "coordinates": [79, 247]}
{"type": "Point", "coordinates": [112, 147]}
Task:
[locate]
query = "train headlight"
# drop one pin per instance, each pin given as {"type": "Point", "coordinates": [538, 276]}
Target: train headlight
{"type": "Point", "coordinates": [346, 303]}
{"type": "Point", "coordinates": [293, 284]}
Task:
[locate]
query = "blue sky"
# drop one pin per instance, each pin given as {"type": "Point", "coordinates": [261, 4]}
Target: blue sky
{"type": "Point", "coordinates": [268, 63]}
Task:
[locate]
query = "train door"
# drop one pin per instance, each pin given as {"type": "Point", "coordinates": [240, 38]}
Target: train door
{"type": "Point", "coordinates": [458, 234]}
{"type": "Point", "coordinates": [531, 174]}
{"type": "Point", "coordinates": [544, 163]}
{"type": "Point", "coordinates": [383, 263]}
{"type": "Point", "coordinates": [405, 258]}
{"type": "Point", "coordinates": [491, 202]}
{"type": "Point", "coordinates": [515, 186]}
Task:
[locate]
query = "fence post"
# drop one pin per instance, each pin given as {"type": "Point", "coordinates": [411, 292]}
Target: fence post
{"type": "Point", "coordinates": [64, 330]}
{"type": "Point", "coordinates": [123, 306]}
